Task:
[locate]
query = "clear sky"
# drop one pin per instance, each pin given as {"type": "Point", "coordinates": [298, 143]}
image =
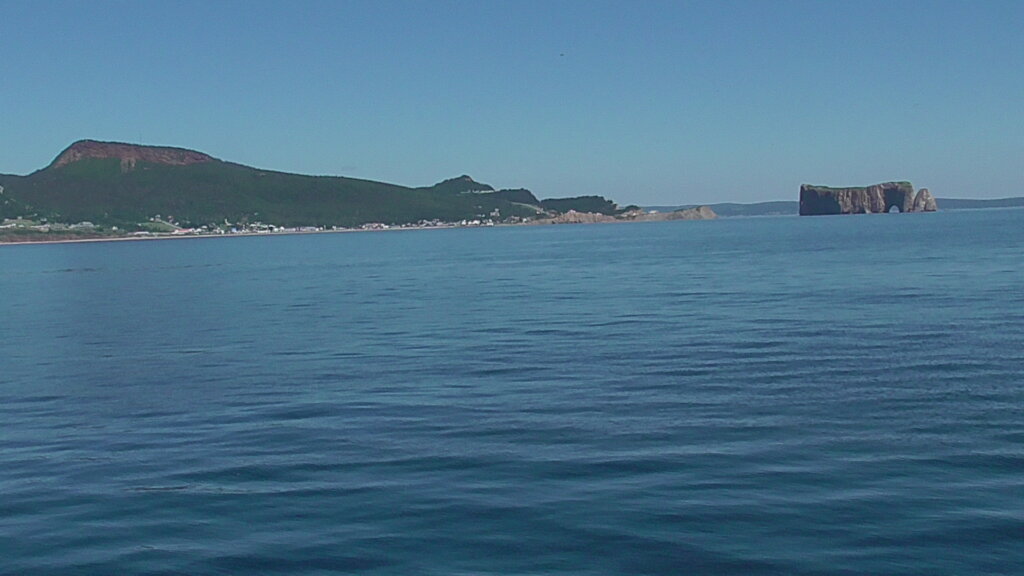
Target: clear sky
{"type": "Point", "coordinates": [644, 102]}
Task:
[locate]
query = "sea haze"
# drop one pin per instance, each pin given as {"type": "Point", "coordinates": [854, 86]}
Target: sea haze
{"type": "Point", "coordinates": [784, 395]}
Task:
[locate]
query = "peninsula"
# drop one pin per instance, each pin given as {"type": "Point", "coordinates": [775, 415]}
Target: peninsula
{"type": "Point", "coordinates": [112, 189]}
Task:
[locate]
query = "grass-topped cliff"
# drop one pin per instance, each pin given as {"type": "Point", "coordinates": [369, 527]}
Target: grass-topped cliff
{"type": "Point", "coordinates": [126, 185]}
{"type": "Point", "coordinates": [900, 184]}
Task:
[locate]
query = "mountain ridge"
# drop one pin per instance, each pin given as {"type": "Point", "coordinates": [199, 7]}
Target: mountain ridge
{"type": "Point", "coordinates": [128, 185]}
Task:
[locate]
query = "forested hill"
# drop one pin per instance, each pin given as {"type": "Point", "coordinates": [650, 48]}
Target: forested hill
{"type": "Point", "coordinates": [126, 184]}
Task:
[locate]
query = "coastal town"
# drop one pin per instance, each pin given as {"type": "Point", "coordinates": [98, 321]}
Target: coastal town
{"type": "Point", "coordinates": [21, 230]}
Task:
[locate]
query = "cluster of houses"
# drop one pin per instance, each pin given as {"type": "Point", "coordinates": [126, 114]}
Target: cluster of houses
{"type": "Point", "coordinates": [44, 226]}
{"type": "Point", "coordinates": [438, 224]}
{"type": "Point", "coordinates": [167, 226]}
{"type": "Point", "coordinates": [261, 228]}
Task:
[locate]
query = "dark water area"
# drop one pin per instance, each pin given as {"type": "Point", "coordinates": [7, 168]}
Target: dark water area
{"type": "Point", "coordinates": [832, 395]}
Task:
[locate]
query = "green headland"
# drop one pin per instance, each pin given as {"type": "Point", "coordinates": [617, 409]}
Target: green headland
{"type": "Point", "coordinates": [107, 188]}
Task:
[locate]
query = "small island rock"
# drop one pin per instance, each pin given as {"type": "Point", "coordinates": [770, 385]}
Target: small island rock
{"type": "Point", "coordinates": [879, 198]}
{"type": "Point", "coordinates": [924, 202]}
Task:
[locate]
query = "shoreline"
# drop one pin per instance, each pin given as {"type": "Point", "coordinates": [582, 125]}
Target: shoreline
{"type": "Point", "coordinates": [545, 222]}
{"type": "Point", "coordinates": [204, 236]}
{"type": "Point", "coordinates": [251, 234]}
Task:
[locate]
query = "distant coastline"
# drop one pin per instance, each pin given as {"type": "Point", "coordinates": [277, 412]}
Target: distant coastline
{"type": "Point", "coordinates": [569, 218]}
{"type": "Point", "coordinates": [101, 191]}
{"type": "Point", "coordinates": [95, 188]}
{"type": "Point", "coordinates": [34, 239]}
{"type": "Point", "coordinates": [645, 214]}
{"type": "Point", "coordinates": [792, 207]}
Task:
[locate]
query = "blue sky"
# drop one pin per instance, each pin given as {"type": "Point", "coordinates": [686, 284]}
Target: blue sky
{"type": "Point", "coordinates": [643, 102]}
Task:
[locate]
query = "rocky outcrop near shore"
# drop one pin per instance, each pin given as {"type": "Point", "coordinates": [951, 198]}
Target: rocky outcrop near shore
{"type": "Point", "coordinates": [574, 217]}
{"type": "Point", "coordinates": [698, 213]}
{"type": "Point", "coordinates": [876, 199]}
{"type": "Point", "coordinates": [924, 202]}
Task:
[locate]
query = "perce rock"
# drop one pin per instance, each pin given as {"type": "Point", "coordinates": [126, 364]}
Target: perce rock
{"type": "Point", "coordinates": [880, 198]}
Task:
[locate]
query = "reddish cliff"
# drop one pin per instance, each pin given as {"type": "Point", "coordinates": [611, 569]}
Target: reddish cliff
{"type": "Point", "coordinates": [817, 200]}
{"type": "Point", "coordinates": [129, 154]}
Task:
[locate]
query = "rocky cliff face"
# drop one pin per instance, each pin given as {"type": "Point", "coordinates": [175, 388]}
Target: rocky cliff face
{"type": "Point", "coordinates": [698, 213]}
{"type": "Point", "coordinates": [574, 217]}
{"type": "Point", "coordinates": [924, 202]}
{"type": "Point", "coordinates": [129, 154]}
{"type": "Point", "coordinates": [818, 200]}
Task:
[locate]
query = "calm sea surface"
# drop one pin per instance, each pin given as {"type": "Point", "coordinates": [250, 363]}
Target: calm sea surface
{"type": "Point", "coordinates": [831, 395]}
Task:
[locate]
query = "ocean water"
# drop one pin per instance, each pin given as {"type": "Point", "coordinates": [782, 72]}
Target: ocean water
{"type": "Point", "coordinates": [831, 395]}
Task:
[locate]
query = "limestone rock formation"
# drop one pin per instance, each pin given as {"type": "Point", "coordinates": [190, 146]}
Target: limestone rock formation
{"type": "Point", "coordinates": [574, 217]}
{"type": "Point", "coordinates": [698, 213]}
{"type": "Point", "coordinates": [635, 215]}
{"type": "Point", "coordinates": [818, 200]}
{"type": "Point", "coordinates": [924, 202]}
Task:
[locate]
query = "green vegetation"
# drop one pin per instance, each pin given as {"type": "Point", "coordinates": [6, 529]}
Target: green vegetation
{"type": "Point", "coordinates": [519, 196]}
{"type": "Point", "coordinates": [157, 226]}
{"type": "Point", "coordinates": [461, 185]}
{"type": "Point", "coordinates": [597, 204]}
{"type": "Point", "coordinates": [902, 184]}
{"type": "Point", "coordinates": [32, 231]}
{"type": "Point", "coordinates": [96, 190]}
{"type": "Point", "coordinates": [158, 190]}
